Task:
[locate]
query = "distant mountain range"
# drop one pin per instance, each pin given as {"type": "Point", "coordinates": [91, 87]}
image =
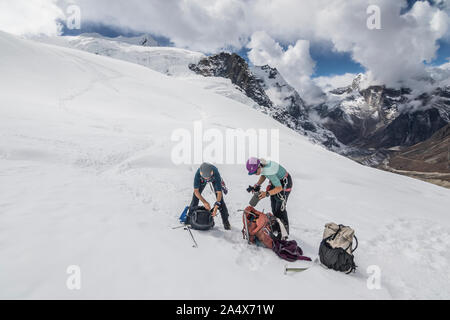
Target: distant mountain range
{"type": "Point", "coordinates": [370, 125]}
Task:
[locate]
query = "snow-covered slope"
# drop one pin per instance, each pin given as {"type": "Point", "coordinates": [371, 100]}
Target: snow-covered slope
{"type": "Point", "coordinates": [267, 91]}
{"type": "Point", "coordinates": [87, 179]}
{"type": "Point", "coordinates": [168, 60]}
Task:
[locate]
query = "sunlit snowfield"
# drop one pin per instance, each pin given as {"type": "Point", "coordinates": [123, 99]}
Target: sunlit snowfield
{"type": "Point", "coordinates": [87, 179]}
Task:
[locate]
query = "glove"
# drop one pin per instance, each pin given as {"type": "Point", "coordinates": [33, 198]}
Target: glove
{"type": "Point", "coordinates": [255, 188]}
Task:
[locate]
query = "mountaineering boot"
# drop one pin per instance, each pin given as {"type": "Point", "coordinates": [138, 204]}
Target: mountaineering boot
{"type": "Point", "coordinates": [226, 225]}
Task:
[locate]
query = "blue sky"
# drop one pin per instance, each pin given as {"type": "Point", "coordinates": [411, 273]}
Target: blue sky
{"type": "Point", "coordinates": [443, 53]}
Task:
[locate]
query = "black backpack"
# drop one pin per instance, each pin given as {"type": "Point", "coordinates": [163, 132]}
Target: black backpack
{"type": "Point", "coordinates": [200, 219]}
{"type": "Point", "coordinates": [337, 258]}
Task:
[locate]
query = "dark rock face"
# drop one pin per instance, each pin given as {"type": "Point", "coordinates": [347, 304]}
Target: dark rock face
{"type": "Point", "coordinates": [385, 100]}
{"type": "Point", "coordinates": [408, 129]}
{"type": "Point", "coordinates": [273, 72]}
{"type": "Point", "coordinates": [341, 91]}
{"type": "Point", "coordinates": [411, 127]}
{"type": "Point", "coordinates": [294, 107]}
{"type": "Point", "coordinates": [384, 118]}
{"type": "Point", "coordinates": [340, 124]}
{"type": "Point", "coordinates": [233, 67]}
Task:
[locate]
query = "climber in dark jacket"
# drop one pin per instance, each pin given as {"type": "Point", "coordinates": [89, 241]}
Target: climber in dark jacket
{"type": "Point", "coordinates": [207, 173]}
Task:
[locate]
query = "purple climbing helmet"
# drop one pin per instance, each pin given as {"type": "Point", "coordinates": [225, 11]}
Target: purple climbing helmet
{"type": "Point", "coordinates": [253, 165]}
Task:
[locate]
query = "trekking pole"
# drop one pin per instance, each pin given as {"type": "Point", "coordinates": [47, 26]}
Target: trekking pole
{"type": "Point", "coordinates": [179, 227]}
{"type": "Point", "coordinates": [287, 269]}
{"type": "Point", "coordinates": [188, 228]}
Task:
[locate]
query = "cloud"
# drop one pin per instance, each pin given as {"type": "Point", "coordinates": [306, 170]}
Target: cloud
{"type": "Point", "coordinates": [294, 63]}
{"type": "Point", "coordinates": [392, 55]}
{"type": "Point", "coordinates": [336, 81]}
{"type": "Point", "coordinates": [264, 49]}
{"type": "Point", "coordinates": [30, 17]}
{"type": "Point", "coordinates": [203, 25]}
{"type": "Point", "coordinates": [401, 54]}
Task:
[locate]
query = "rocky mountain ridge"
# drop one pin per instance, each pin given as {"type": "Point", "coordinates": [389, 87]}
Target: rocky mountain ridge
{"type": "Point", "coordinates": [271, 92]}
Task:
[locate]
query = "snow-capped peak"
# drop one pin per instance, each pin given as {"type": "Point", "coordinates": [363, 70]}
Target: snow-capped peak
{"type": "Point", "coordinates": [144, 40]}
{"type": "Point", "coordinates": [279, 91]}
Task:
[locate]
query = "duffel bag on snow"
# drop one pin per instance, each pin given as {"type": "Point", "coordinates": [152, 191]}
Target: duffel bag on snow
{"type": "Point", "coordinates": [200, 219]}
{"type": "Point", "coordinates": [336, 249]}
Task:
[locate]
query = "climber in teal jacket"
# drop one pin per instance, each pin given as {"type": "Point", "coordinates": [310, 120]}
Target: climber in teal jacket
{"type": "Point", "coordinates": [279, 188]}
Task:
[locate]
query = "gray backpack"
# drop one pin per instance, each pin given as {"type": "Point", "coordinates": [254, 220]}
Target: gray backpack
{"type": "Point", "coordinates": [336, 249]}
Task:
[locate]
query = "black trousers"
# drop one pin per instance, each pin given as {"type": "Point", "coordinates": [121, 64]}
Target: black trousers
{"type": "Point", "coordinates": [279, 201]}
{"type": "Point", "coordinates": [222, 209]}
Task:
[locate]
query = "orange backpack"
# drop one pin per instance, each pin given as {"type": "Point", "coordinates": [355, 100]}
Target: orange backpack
{"type": "Point", "coordinates": [257, 227]}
